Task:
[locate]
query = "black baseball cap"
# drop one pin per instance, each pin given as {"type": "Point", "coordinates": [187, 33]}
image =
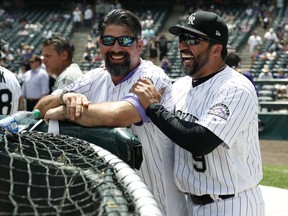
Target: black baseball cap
{"type": "Point", "coordinates": [204, 23]}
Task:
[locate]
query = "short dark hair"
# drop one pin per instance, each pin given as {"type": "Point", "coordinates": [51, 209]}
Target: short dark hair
{"type": "Point", "coordinates": [121, 17]}
{"type": "Point", "coordinates": [35, 57]}
{"type": "Point", "coordinates": [232, 60]}
{"type": "Point", "coordinates": [61, 44]}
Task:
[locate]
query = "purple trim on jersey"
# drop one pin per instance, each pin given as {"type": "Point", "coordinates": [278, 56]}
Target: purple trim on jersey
{"type": "Point", "coordinates": [136, 103]}
{"type": "Point", "coordinates": [129, 74]}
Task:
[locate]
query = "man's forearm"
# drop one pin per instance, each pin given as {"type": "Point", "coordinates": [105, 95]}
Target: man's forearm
{"type": "Point", "coordinates": [46, 103]}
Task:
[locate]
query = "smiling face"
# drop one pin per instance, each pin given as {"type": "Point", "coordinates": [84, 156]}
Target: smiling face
{"type": "Point", "coordinates": [120, 60]}
{"type": "Point", "coordinates": [194, 57]}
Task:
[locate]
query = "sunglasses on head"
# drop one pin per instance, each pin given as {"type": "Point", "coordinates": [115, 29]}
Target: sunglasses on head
{"type": "Point", "coordinates": [192, 39]}
{"type": "Point", "coordinates": [125, 41]}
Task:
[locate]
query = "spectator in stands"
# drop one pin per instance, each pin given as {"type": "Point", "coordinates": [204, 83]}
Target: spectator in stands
{"type": "Point", "coordinates": [269, 55]}
{"type": "Point", "coordinates": [8, 55]}
{"type": "Point", "coordinates": [148, 25]}
{"type": "Point", "coordinates": [21, 74]}
{"type": "Point", "coordinates": [88, 16]}
{"type": "Point", "coordinates": [108, 87]}
{"type": "Point", "coordinates": [98, 58]}
{"type": "Point", "coordinates": [259, 54]}
{"type": "Point", "coordinates": [265, 73]}
{"type": "Point", "coordinates": [35, 84]}
{"type": "Point", "coordinates": [58, 58]}
{"type": "Point", "coordinates": [276, 46]}
{"type": "Point", "coordinates": [254, 41]}
{"type": "Point", "coordinates": [281, 88]}
{"type": "Point", "coordinates": [152, 50]}
{"type": "Point", "coordinates": [245, 27]}
{"type": "Point", "coordinates": [48, 33]}
{"type": "Point", "coordinates": [77, 18]}
{"type": "Point", "coordinates": [270, 35]}
{"type": "Point", "coordinates": [88, 56]}
{"type": "Point", "coordinates": [233, 60]}
{"type": "Point", "coordinates": [163, 46]}
{"type": "Point", "coordinates": [166, 65]}
{"type": "Point", "coordinates": [26, 54]}
{"type": "Point", "coordinates": [90, 45]}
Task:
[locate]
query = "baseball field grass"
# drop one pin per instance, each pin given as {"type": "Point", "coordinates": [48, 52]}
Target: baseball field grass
{"type": "Point", "coordinates": [275, 163]}
{"type": "Point", "coordinates": [275, 176]}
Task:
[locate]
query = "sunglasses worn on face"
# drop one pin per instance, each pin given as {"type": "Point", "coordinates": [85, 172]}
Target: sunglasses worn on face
{"type": "Point", "coordinates": [125, 41]}
{"type": "Point", "coordinates": [191, 39]}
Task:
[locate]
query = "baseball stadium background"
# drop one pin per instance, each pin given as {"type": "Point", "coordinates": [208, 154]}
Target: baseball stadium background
{"type": "Point", "coordinates": [56, 16]}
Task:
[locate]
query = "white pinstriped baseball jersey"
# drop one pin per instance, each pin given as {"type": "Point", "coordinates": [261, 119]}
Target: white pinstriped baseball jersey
{"type": "Point", "coordinates": [227, 105]}
{"type": "Point", "coordinates": [10, 92]}
{"type": "Point", "coordinates": [157, 166]}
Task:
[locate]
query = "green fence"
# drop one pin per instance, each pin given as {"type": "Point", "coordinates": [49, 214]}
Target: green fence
{"type": "Point", "coordinates": [276, 126]}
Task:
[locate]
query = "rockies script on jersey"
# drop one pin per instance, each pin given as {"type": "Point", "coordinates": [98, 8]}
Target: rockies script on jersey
{"type": "Point", "coordinates": [227, 105]}
{"type": "Point", "coordinates": [158, 159]}
{"type": "Point", "coordinates": [10, 92]}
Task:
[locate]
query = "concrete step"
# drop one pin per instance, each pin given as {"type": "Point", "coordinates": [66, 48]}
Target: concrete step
{"type": "Point", "coordinates": [79, 39]}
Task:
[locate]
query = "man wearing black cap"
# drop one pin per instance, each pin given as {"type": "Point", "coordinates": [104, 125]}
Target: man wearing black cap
{"type": "Point", "coordinates": [214, 125]}
{"type": "Point", "coordinates": [10, 90]}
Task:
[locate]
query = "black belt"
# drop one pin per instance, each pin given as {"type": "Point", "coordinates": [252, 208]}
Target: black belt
{"type": "Point", "coordinates": [206, 199]}
{"type": "Point", "coordinates": [32, 100]}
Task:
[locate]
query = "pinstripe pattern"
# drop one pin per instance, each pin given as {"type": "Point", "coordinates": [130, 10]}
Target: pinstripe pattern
{"type": "Point", "coordinates": [236, 164]}
{"type": "Point", "coordinates": [157, 166]}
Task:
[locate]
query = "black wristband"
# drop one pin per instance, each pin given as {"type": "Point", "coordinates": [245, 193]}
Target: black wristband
{"type": "Point", "coordinates": [62, 102]}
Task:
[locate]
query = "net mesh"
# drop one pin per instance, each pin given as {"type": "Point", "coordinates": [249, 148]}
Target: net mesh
{"type": "Point", "coordinates": [59, 175]}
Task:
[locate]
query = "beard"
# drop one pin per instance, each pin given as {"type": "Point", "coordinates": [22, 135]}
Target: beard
{"type": "Point", "coordinates": [117, 69]}
{"type": "Point", "coordinates": [199, 61]}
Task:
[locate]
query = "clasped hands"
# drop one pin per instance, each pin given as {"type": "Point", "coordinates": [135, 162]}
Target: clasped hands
{"type": "Point", "coordinates": [72, 104]}
{"type": "Point", "coordinates": [71, 107]}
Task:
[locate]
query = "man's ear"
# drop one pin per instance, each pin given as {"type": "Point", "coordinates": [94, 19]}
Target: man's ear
{"type": "Point", "coordinates": [140, 44]}
{"type": "Point", "coordinates": [217, 49]}
{"type": "Point", "coordinates": [64, 55]}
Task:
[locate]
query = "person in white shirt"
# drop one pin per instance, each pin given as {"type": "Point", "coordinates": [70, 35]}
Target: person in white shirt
{"type": "Point", "coordinates": [253, 41]}
{"type": "Point", "coordinates": [57, 55]}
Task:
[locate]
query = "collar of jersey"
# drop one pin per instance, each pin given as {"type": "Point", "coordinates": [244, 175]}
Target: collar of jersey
{"type": "Point", "coordinates": [130, 74]}
{"type": "Point", "coordinates": [204, 79]}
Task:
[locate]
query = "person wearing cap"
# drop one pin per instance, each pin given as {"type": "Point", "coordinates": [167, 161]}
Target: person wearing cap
{"type": "Point", "coordinates": [265, 73]}
{"type": "Point", "coordinates": [214, 124]}
{"type": "Point", "coordinates": [11, 99]}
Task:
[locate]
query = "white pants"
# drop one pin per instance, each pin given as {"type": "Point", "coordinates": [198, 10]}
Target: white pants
{"type": "Point", "coordinates": [249, 202]}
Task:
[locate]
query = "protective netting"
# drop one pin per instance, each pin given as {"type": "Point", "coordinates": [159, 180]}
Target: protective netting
{"type": "Point", "coordinates": [43, 174]}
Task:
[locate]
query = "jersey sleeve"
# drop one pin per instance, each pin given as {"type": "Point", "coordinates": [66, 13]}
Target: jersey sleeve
{"type": "Point", "coordinates": [232, 110]}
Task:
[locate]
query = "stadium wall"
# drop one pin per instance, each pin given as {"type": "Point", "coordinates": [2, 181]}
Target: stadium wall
{"type": "Point", "coordinates": [275, 126]}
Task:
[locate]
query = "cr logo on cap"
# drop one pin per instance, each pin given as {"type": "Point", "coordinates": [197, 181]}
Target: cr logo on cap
{"type": "Point", "coordinates": [191, 19]}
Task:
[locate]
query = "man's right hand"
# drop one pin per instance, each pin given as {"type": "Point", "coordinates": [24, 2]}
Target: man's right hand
{"type": "Point", "coordinates": [74, 103]}
{"type": "Point", "coordinates": [146, 92]}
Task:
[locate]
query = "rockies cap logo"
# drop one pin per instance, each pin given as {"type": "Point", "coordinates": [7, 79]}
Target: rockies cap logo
{"type": "Point", "coordinates": [191, 19]}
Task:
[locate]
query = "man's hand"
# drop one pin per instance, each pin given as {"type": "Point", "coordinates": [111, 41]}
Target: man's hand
{"type": "Point", "coordinates": [146, 92]}
{"type": "Point", "coordinates": [57, 113]}
{"type": "Point", "coordinates": [74, 103]}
